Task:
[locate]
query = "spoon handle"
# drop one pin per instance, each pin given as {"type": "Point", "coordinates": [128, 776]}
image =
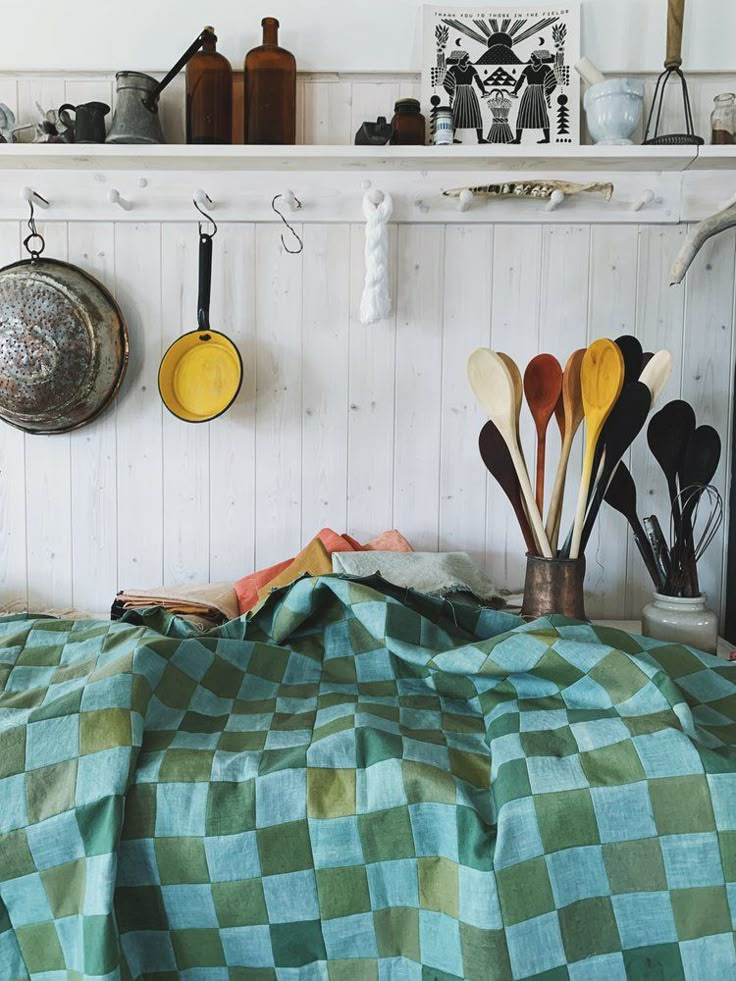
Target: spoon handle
{"type": "Point", "coordinates": [528, 495]}
{"type": "Point", "coordinates": [554, 515]}
{"type": "Point", "coordinates": [591, 439]}
{"type": "Point", "coordinates": [541, 456]}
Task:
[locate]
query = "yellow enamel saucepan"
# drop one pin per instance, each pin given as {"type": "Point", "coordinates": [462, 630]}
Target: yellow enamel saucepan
{"type": "Point", "coordinates": [201, 373]}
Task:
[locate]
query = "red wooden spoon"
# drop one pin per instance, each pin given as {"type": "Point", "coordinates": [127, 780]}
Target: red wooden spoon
{"type": "Point", "coordinates": [542, 387]}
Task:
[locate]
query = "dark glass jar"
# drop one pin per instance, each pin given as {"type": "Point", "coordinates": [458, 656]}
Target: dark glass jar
{"type": "Point", "coordinates": [270, 90]}
{"type": "Point", "coordinates": [410, 128]}
{"type": "Point", "coordinates": [209, 87]}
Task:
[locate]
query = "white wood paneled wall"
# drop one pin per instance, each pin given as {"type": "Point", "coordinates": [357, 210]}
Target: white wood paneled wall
{"type": "Point", "coordinates": [360, 428]}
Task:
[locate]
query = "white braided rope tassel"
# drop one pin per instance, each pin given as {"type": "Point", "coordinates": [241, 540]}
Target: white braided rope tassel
{"type": "Point", "coordinates": [375, 303]}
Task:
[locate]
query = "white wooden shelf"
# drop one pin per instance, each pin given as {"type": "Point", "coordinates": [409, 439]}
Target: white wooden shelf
{"type": "Point", "coordinates": [29, 156]}
{"type": "Point", "coordinates": [715, 158]}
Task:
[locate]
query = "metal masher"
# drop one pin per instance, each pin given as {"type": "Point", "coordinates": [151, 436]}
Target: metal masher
{"type": "Point", "coordinates": [672, 67]}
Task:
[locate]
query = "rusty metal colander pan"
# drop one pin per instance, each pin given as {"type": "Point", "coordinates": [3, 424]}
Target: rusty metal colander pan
{"type": "Point", "coordinates": [63, 346]}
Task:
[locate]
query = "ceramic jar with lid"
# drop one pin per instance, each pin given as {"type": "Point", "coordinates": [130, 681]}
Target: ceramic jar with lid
{"type": "Point", "coordinates": [409, 125]}
{"type": "Point", "coordinates": [681, 620]}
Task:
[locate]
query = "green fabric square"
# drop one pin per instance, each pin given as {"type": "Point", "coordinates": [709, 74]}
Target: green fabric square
{"type": "Point", "coordinates": [273, 760]}
{"type": "Point", "coordinates": [427, 784]}
{"type": "Point", "coordinates": [197, 722]}
{"type": "Point", "coordinates": [386, 835]}
{"type": "Point", "coordinates": [546, 742]}
{"type": "Point", "coordinates": [186, 765]}
{"type": "Point", "coordinates": [566, 819]}
{"type": "Point", "coordinates": [613, 765]}
{"type": "Point", "coordinates": [475, 839]}
{"type": "Point", "coordinates": [104, 729]}
{"type": "Point", "coordinates": [701, 912]}
{"type": "Point", "coordinates": [588, 927]}
{"type": "Point", "coordinates": [619, 677]}
{"type": "Point", "coordinates": [330, 792]}
{"type": "Point", "coordinates": [101, 945]}
{"type": "Point", "coordinates": [361, 639]}
{"type": "Point", "coordinates": [470, 767]}
{"type": "Point", "coordinates": [681, 805]}
{"type": "Point", "coordinates": [397, 932]}
{"type": "Point", "coordinates": [556, 668]}
{"type": "Point", "coordinates": [15, 855]}
{"type": "Point", "coordinates": [140, 908]}
{"type": "Point", "coordinates": [284, 848]}
{"type": "Point", "coordinates": [181, 860]}
{"type": "Point", "coordinates": [374, 745]}
{"type": "Point", "coordinates": [524, 891]}
{"type": "Point", "coordinates": [239, 903]}
{"type": "Point", "coordinates": [727, 841]}
{"type": "Point", "coordinates": [297, 944]}
{"type": "Point", "coordinates": [352, 970]}
{"type": "Point", "coordinates": [343, 891]}
{"type": "Point", "coordinates": [140, 811]}
{"type": "Point", "coordinates": [41, 657]}
{"type": "Point", "coordinates": [12, 751]}
{"type": "Point", "coordinates": [65, 888]}
{"type": "Point", "coordinates": [292, 721]}
{"type": "Point", "coordinates": [481, 948]}
{"type": "Point", "coordinates": [231, 808]}
{"type": "Point", "coordinates": [197, 948]}
{"type": "Point", "coordinates": [660, 962]}
{"type": "Point", "coordinates": [268, 662]}
{"type": "Point", "coordinates": [635, 866]}
{"type": "Point", "coordinates": [223, 678]}
{"type": "Point", "coordinates": [50, 790]}
{"type": "Point", "coordinates": [503, 725]}
{"type": "Point", "coordinates": [242, 742]}
{"type": "Point", "coordinates": [340, 670]}
{"type": "Point", "coordinates": [98, 824]}
{"type": "Point", "coordinates": [40, 947]}
{"type": "Point", "coordinates": [512, 782]}
{"type": "Point", "coordinates": [438, 885]}
{"type": "Point", "coordinates": [175, 688]}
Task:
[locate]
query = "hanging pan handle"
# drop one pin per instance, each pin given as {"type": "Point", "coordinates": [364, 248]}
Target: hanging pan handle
{"type": "Point", "coordinates": [205, 280]}
{"type": "Point", "coordinates": [675, 17]}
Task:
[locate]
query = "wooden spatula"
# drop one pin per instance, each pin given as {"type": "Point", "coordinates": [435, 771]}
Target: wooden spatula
{"type": "Point", "coordinates": [572, 402]}
{"type": "Point", "coordinates": [601, 381]}
{"type": "Point", "coordinates": [493, 387]}
{"type": "Point", "coordinates": [631, 349]}
{"type": "Point", "coordinates": [656, 373]}
{"type": "Point", "coordinates": [542, 387]}
{"type": "Point", "coordinates": [498, 460]}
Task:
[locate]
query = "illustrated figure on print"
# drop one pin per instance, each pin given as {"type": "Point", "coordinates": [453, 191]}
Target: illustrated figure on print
{"type": "Point", "coordinates": [541, 82]}
{"type": "Point", "coordinates": [500, 104]}
{"type": "Point", "coordinates": [458, 83]}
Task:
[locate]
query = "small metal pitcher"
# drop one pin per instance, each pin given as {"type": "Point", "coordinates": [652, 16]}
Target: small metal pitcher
{"type": "Point", "coordinates": [136, 118]}
{"type": "Point", "coordinates": [554, 586]}
{"type": "Point", "coordinates": [88, 125]}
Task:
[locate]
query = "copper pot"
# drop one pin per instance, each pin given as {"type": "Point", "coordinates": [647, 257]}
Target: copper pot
{"type": "Point", "coordinates": [554, 586]}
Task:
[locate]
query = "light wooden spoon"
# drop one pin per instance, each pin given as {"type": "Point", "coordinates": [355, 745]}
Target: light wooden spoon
{"type": "Point", "coordinates": [572, 404]}
{"type": "Point", "coordinates": [493, 386]}
{"type": "Point", "coordinates": [601, 381]}
{"type": "Point", "coordinates": [542, 387]}
{"type": "Point", "coordinates": [657, 373]}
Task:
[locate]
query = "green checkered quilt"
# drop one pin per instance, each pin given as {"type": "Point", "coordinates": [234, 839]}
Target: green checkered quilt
{"type": "Point", "coordinates": [363, 783]}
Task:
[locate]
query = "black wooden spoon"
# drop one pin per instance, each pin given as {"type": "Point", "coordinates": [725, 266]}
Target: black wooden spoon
{"type": "Point", "coordinates": [632, 352]}
{"type": "Point", "coordinates": [668, 434]}
{"type": "Point", "coordinates": [621, 496]}
{"type": "Point", "coordinates": [497, 459]}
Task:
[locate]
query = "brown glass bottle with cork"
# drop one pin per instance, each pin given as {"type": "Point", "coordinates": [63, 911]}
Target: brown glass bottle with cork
{"type": "Point", "coordinates": [270, 90]}
{"type": "Point", "coordinates": [209, 88]}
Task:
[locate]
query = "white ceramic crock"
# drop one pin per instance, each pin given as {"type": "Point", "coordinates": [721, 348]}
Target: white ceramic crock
{"type": "Point", "coordinates": [681, 620]}
{"type": "Point", "coordinates": [613, 109]}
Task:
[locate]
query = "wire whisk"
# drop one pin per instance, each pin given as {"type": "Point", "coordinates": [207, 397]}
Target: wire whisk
{"type": "Point", "coordinates": [691, 536]}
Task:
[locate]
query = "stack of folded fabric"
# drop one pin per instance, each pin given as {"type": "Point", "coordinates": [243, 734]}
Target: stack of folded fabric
{"type": "Point", "coordinates": [204, 605]}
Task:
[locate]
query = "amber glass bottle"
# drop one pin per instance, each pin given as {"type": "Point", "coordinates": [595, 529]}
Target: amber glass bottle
{"type": "Point", "coordinates": [209, 87]}
{"type": "Point", "coordinates": [270, 90]}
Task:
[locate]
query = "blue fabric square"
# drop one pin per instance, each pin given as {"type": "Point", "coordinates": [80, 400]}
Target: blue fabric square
{"type": "Point", "coordinates": [709, 957]}
{"type": "Point", "coordinates": [281, 797]}
{"type": "Point", "coordinates": [180, 809]}
{"type": "Point", "coordinates": [234, 767]}
{"type": "Point", "coordinates": [692, 860]}
{"type": "Point", "coordinates": [13, 813]}
{"type": "Point", "coordinates": [100, 872]}
{"type": "Point", "coordinates": [137, 865]}
{"type": "Point", "coordinates": [434, 829]}
{"type": "Point", "coordinates": [206, 702]}
{"type": "Point", "coordinates": [667, 753]}
{"type": "Point", "coordinates": [731, 894]}
{"type": "Point", "coordinates": [503, 749]}
{"type": "Point", "coordinates": [348, 937]}
{"type": "Point", "coordinates": [706, 685]}
{"type": "Point", "coordinates": [623, 813]}
{"type": "Point", "coordinates": [232, 857]}
{"type": "Point", "coordinates": [723, 797]}
{"type": "Point", "coordinates": [148, 952]}
{"type": "Point", "coordinates": [285, 738]}
{"type": "Point", "coordinates": [478, 903]}
{"type": "Point", "coordinates": [533, 686]}
{"type": "Point", "coordinates": [22, 678]}
{"type": "Point", "coordinates": [95, 770]}
{"type": "Point", "coordinates": [585, 693]}
{"type": "Point", "coordinates": [380, 786]}
{"type": "Point", "coordinates": [374, 666]}
{"type": "Point", "coordinates": [599, 732]}
{"type": "Point", "coordinates": [26, 901]}
{"type": "Point", "coordinates": [519, 653]}
{"type": "Point", "coordinates": [55, 841]}
{"type": "Point", "coordinates": [517, 837]}
{"type": "Point", "coordinates": [335, 842]}
{"type": "Point", "coordinates": [192, 658]}
{"type": "Point", "coordinates": [439, 941]}
{"type": "Point", "coordinates": [301, 670]}
{"type": "Point", "coordinates": [585, 656]}
{"type": "Point", "coordinates": [51, 741]}
{"type": "Point", "coordinates": [577, 873]}
{"type": "Point", "coordinates": [70, 931]}
{"type": "Point", "coordinates": [393, 883]}
{"type": "Point", "coordinates": [550, 774]}
{"type": "Point", "coordinates": [608, 966]}
{"type": "Point", "coordinates": [648, 700]}
{"type": "Point", "coordinates": [291, 897]}
{"type": "Point", "coordinates": [247, 946]}
{"type": "Point", "coordinates": [535, 945]}
{"type": "Point", "coordinates": [189, 907]}
{"type": "Point", "coordinates": [644, 918]}
{"type": "Point", "coordinates": [110, 692]}
{"type": "Point", "coordinates": [337, 750]}
{"type": "Point", "coordinates": [421, 752]}
{"type": "Point", "coordinates": [544, 719]}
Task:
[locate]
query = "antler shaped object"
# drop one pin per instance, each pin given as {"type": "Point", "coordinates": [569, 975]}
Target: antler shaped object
{"type": "Point", "coordinates": [697, 239]}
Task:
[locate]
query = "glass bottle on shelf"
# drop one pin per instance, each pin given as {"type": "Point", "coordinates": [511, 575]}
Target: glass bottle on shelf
{"type": "Point", "coordinates": [270, 90]}
{"type": "Point", "coordinates": [723, 119]}
{"type": "Point", "coordinates": [410, 127]}
{"type": "Point", "coordinates": [209, 89]}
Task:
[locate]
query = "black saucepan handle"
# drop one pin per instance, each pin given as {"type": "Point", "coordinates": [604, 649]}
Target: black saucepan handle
{"type": "Point", "coordinates": [205, 281]}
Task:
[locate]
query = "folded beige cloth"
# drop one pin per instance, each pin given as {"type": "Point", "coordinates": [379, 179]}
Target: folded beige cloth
{"type": "Point", "coordinates": [214, 601]}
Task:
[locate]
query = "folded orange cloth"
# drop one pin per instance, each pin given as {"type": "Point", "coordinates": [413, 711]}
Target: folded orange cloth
{"type": "Point", "coordinates": [314, 560]}
{"type": "Point", "coordinates": [389, 541]}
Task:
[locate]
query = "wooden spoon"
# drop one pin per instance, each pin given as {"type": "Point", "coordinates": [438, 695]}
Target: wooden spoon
{"type": "Point", "coordinates": [657, 373]}
{"type": "Point", "coordinates": [630, 347]}
{"type": "Point", "coordinates": [498, 460]}
{"type": "Point", "coordinates": [518, 392]}
{"type": "Point", "coordinates": [493, 387]}
{"type": "Point", "coordinates": [542, 387]}
{"type": "Point", "coordinates": [645, 359]}
{"type": "Point", "coordinates": [621, 496]}
{"type": "Point", "coordinates": [572, 402]}
{"type": "Point", "coordinates": [667, 435]}
{"type": "Point", "coordinates": [601, 381]}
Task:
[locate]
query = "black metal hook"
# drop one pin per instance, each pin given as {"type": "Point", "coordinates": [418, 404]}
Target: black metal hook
{"type": "Point", "coordinates": [293, 232]}
{"type": "Point", "coordinates": [35, 234]}
{"type": "Point", "coordinates": [209, 217]}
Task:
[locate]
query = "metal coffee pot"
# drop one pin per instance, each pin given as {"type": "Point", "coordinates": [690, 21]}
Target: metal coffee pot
{"type": "Point", "coordinates": [136, 118]}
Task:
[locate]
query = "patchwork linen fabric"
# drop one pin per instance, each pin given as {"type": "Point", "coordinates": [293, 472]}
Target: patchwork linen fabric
{"type": "Point", "coordinates": [363, 783]}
